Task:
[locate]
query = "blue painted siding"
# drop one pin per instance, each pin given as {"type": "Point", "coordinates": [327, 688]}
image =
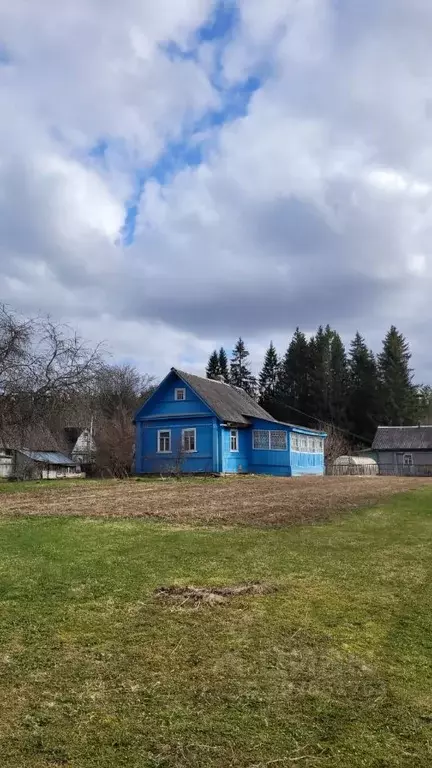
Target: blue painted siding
{"type": "Point", "coordinates": [150, 461]}
{"type": "Point", "coordinates": [163, 402]}
{"type": "Point", "coordinates": [235, 462]}
{"type": "Point", "coordinates": [306, 463]}
{"type": "Point", "coordinates": [269, 462]}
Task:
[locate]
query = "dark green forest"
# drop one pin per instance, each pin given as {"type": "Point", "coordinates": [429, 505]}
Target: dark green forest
{"type": "Point", "coordinates": [317, 382]}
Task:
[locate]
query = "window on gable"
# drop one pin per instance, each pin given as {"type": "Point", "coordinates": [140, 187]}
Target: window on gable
{"type": "Point", "coordinates": [261, 439]}
{"type": "Point", "coordinates": [278, 440]}
{"type": "Point", "coordinates": [180, 394]}
{"type": "Point", "coordinates": [189, 440]}
{"type": "Point", "coordinates": [164, 441]}
{"type": "Point", "coordinates": [234, 440]}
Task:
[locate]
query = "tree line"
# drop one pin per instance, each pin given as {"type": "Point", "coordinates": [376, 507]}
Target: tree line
{"type": "Point", "coordinates": [318, 382]}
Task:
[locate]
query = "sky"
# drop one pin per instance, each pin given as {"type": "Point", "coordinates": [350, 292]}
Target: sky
{"type": "Point", "coordinates": [176, 174]}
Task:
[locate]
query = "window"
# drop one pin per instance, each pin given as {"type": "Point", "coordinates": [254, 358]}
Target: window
{"type": "Point", "coordinates": [189, 440]}
{"type": "Point", "coordinates": [407, 460]}
{"type": "Point", "coordinates": [261, 440]}
{"type": "Point", "coordinates": [234, 440]}
{"type": "Point", "coordinates": [180, 394]}
{"type": "Point", "coordinates": [164, 441]}
{"type": "Point", "coordinates": [278, 440]}
{"type": "Point", "coordinates": [294, 442]}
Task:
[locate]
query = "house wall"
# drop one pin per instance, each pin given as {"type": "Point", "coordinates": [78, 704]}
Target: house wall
{"type": "Point", "coordinates": [6, 465]}
{"type": "Point", "coordinates": [266, 462]}
{"type": "Point", "coordinates": [389, 465]}
{"type": "Point", "coordinates": [235, 462]}
{"type": "Point", "coordinates": [305, 462]}
{"type": "Point", "coordinates": [149, 461]}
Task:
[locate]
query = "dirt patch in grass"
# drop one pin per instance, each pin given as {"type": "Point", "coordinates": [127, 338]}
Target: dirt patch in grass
{"type": "Point", "coordinates": [228, 501]}
{"type": "Point", "coordinates": [212, 595]}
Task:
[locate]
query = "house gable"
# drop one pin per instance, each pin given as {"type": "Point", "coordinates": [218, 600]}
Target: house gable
{"type": "Point", "coordinates": [164, 402]}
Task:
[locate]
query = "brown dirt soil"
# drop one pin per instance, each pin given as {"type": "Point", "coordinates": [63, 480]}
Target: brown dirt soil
{"type": "Point", "coordinates": [234, 501]}
{"type": "Point", "coordinates": [213, 595]}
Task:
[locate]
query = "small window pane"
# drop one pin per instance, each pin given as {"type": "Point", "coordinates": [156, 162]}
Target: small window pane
{"type": "Point", "coordinates": [189, 441]}
{"type": "Point", "coordinates": [261, 439]}
{"type": "Point", "coordinates": [165, 441]}
{"type": "Point", "coordinates": [180, 394]}
{"type": "Point", "coordinates": [278, 440]}
{"type": "Point", "coordinates": [234, 440]}
{"type": "Point", "coordinates": [408, 460]}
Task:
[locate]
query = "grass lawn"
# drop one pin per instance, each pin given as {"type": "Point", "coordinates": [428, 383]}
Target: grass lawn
{"type": "Point", "coordinates": [333, 669]}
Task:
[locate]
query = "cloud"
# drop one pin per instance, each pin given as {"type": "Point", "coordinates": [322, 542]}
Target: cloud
{"type": "Point", "coordinates": [175, 174]}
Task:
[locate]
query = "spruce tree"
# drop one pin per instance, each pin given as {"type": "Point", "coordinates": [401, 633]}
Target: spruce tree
{"type": "Point", "coordinates": [223, 365]}
{"type": "Point", "coordinates": [363, 400]}
{"type": "Point", "coordinates": [319, 372]}
{"type": "Point", "coordinates": [293, 388]}
{"type": "Point", "coordinates": [268, 378]}
{"type": "Point", "coordinates": [240, 373]}
{"type": "Point", "coordinates": [399, 400]}
{"type": "Point", "coordinates": [213, 367]}
{"type": "Point", "coordinates": [339, 382]}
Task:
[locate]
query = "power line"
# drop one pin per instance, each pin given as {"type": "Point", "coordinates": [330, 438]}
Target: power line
{"type": "Point", "coordinates": [320, 421]}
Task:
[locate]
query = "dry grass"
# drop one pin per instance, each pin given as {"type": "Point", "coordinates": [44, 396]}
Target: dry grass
{"type": "Point", "coordinates": [234, 501]}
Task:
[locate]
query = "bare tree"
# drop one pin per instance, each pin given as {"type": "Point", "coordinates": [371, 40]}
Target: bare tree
{"type": "Point", "coordinates": [43, 366]}
{"type": "Point", "coordinates": [115, 445]}
{"type": "Point", "coordinates": [336, 444]}
{"type": "Point", "coordinates": [119, 390]}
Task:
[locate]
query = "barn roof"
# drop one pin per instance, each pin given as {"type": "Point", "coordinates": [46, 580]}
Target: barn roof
{"type": "Point", "coordinates": [403, 439]}
{"type": "Point", "coordinates": [48, 457]}
{"type": "Point", "coordinates": [229, 403]}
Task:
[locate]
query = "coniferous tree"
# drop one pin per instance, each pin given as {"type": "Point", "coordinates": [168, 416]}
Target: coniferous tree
{"type": "Point", "coordinates": [240, 373]}
{"type": "Point", "coordinates": [399, 399]}
{"type": "Point", "coordinates": [339, 382]}
{"type": "Point", "coordinates": [319, 369]}
{"type": "Point", "coordinates": [363, 400]}
{"type": "Point", "coordinates": [293, 388]}
{"type": "Point", "coordinates": [213, 367]}
{"type": "Point", "coordinates": [268, 378]}
{"type": "Point", "coordinates": [223, 365]}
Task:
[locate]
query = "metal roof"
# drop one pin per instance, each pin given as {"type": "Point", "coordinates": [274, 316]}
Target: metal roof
{"type": "Point", "coordinates": [403, 439]}
{"type": "Point", "coordinates": [230, 403]}
{"type": "Point", "coordinates": [48, 457]}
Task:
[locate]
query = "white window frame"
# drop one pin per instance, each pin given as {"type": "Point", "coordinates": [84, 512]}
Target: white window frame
{"type": "Point", "coordinates": [260, 431]}
{"type": "Point", "coordinates": [189, 429]}
{"type": "Point", "coordinates": [409, 463]}
{"type": "Point", "coordinates": [163, 432]}
{"type": "Point", "coordinates": [234, 436]}
{"type": "Point", "coordinates": [278, 447]}
{"type": "Point", "coordinates": [177, 392]}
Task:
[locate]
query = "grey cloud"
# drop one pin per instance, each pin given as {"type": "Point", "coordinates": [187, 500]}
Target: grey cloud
{"type": "Point", "coordinates": [284, 225]}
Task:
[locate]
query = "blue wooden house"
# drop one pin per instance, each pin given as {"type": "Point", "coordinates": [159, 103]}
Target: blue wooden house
{"type": "Point", "coordinates": [196, 425]}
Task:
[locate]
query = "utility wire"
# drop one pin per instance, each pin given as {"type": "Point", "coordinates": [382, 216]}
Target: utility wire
{"type": "Point", "coordinates": [320, 421]}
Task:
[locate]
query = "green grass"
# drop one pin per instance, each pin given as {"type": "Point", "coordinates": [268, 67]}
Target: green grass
{"type": "Point", "coordinates": [334, 669]}
{"type": "Point", "coordinates": [37, 485]}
